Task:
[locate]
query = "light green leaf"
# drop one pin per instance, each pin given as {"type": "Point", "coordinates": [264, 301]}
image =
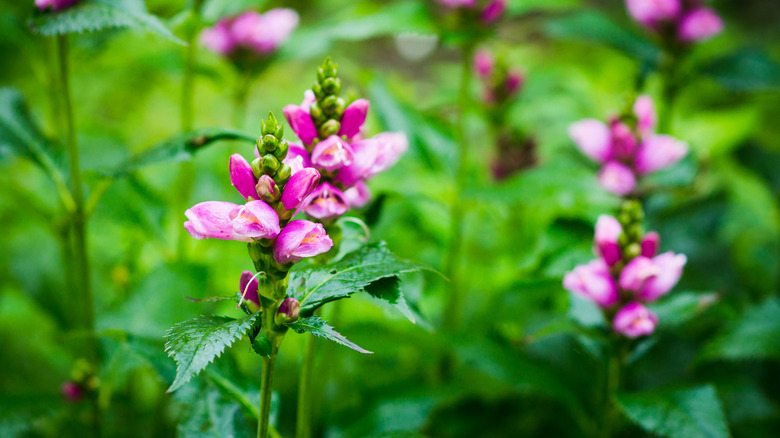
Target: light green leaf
{"type": "Point", "coordinates": [755, 336]}
{"type": "Point", "coordinates": [321, 329]}
{"type": "Point", "coordinates": [94, 15]}
{"type": "Point", "coordinates": [196, 343]}
{"type": "Point", "coordinates": [687, 413]}
{"type": "Point", "coordinates": [352, 274]}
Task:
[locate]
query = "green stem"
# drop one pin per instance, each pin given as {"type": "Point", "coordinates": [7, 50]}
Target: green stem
{"type": "Point", "coordinates": [454, 303]}
{"type": "Point", "coordinates": [303, 422]}
{"type": "Point", "coordinates": [265, 395]}
{"type": "Point", "coordinates": [614, 366]}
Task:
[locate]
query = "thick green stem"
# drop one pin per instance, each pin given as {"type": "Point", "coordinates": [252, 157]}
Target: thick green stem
{"type": "Point", "coordinates": [614, 366]}
{"type": "Point", "coordinates": [451, 269]}
{"type": "Point", "coordinates": [303, 423]}
{"type": "Point", "coordinates": [266, 388]}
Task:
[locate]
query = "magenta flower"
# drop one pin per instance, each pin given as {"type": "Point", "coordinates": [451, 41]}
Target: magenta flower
{"type": "Point", "coordinates": [594, 139]}
{"type": "Point", "coordinates": [297, 158]}
{"type": "Point", "coordinates": [358, 195]}
{"type": "Point", "coordinates": [299, 187]}
{"type": "Point", "coordinates": [650, 244]}
{"type": "Point", "coordinates": [647, 119]}
{"type": "Point", "coordinates": [651, 13]}
{"type": "Point", "coordinates": [608, 231]}
{"type": "Point", "coordinates": [242, 178]}
{"type": "Point", "coordinates": [267, 189]}
{"type": "Point", "coordinates": [353, 118]}
{"type": "Point", "coordinates": [55, 5]}
{"type": "Point", "coordinates": [457, 3]}
{"type": "Point", "coordinates": [658, 152]}
{"type": "Point", "coordinates": [617, 178]}
{"type": "Point", "coordinates": [699, 24]}
{"type": "Point", "coordinates": [258, 33]}
{"type": "Point", "coordinates": [300, 239]}
{"type": "Point", "coordinates": [228, 221]}
{"type": "Point", "coordinates": [637, 273]}
{"type": "Point", "coordinates": [390, 147]}
{"type": "Point", "coordinates": [289, 309]}
{"type": "Point", "coordinates": [300, 121]}
{"type": "Point", "coordinates": [255, 219]}
{"type": "Point", "coordinates": [594, 282]}
{"type": "Point", "coordinates": [493, 11]}
{"type": "Point", "coordinates": [326, 203]}
{"type": "Point", "coordinates": [670, 268]}
{"type": "Point", "coordinates": [635, 320]}
{"type": "Point", "coordinates": [484, 63]}
{"type": "Point", "coordinates": [248, 286]}
{"type": "Point", "coordinates": [514, 81]}
{"type": "Point", "coordinates": [332, 153]}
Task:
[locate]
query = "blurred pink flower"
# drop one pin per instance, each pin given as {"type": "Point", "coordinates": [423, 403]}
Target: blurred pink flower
{"type": "Point", "coordinates": [699, 24]}
{"type": "Point", "coordinates": [635, 320]}
{"type": "Point", "coordinates": [56, 5]}
{"type": "Point", "coordinates": [253, 31]}
{"type": "Point", "coordinates": [594, 282]}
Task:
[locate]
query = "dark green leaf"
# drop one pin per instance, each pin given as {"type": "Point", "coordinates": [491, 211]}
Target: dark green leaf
{"type": "Point", "coordinates": [596, 28]}
{"type": "Point", "coordinates": [681, 307]}
{"type": "Point", "coordinates": [755, 336]}
{"type": "Point", "coordinates": [687, 413]}
{"type": "Point", "coordinates": [213, 415]}
{"type": "Point", "coordinates": [319, 328]}
{"type": "Point", "coordinates": [744, 70]}
{"type": "Point", "coordinates": [387, 291]}
{"type": "Point", "coordinates": [194, 344]}
{"type": "Point", "coordinates": [178, 148]}
{"type": "Point", "coordinates": [349, 275]}
{"type": "Point", "coordinates": [94, 15]}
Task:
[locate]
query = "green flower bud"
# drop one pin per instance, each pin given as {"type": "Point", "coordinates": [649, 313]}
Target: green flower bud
{"type": "Point", "coordinates": [270, 126]}
{"type": "Point", "coordinates": [329, 68]}
{"type": "Point", "coordinates": [340, 105]}
{"type": "Point", "coordinates": [270, 142]}
{"type": "Point", "coordinates": [331, 127]}
{"type": "Point", "coordinates": [320, 75]}
{"type": "Point", "coordinates": [270, 164]}
{"type": "Point", "coordinates": [256, 252]}
{"type": "Point", "coordinates": [635, 232]}
{"type": "Point", "coordinates": [281, 151]}
{"type": "Point", "coordinates": [331, 85]}
{"type": "Point", "coordinates": [283, 214]}
{"type": "Point", "coordinates": [279, 132]}
{"type": "Point", "coordinates": [283, 174]}
{"type": "Point", "coordinates": [257, 167]}
{"type": "Point", "coordinates": [329, 104]}
{"type": "Point", "coordinates": [633, 250]}
{"type": "Point", "coordinates": [316, 113]}
{"type": "Point", "coordinates": [317, 90]}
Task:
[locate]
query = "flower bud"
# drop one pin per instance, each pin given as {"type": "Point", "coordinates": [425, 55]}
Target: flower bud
{"type": "Point", "coordinates": [493, 11]}
{"type": "Point", "coordinates": [284, 173]}
{"type": "Point", "coordinates": [270, 142]}
{"type": "Point", "coordinates": [329, 128]}
{"type": "Point", "coordinates": [635, 320]}
{"type": "Point", "coordinates": [650, 244]}
{"type": "Point", "coordinates": [242, 177]}
{"type": "Point", "coordinates": [328, 104]}
{"type": "Point", "coordinates": [617, 178]}
{"type": "Point", "coordinates": [248, 286]}
{"type": "Point", "coordinates": [267, 189]}
{"type": "Point", "coordinates": [300, 239]}
{"type": "Point", "coordinates": [699, 24]}
{"type": "Point", "coordinates": [301, 122]}
{"type": "Point", "coordinates": [299, 187]}
{"type": "Point", "coordinates": [608, 231]}
{"type": "Point", "coordinates": [329, 69]}
{"type": "Point", "coordinates": [270, 164]}
{"type": "Point", "coordinates": [354, 117]}
{"type": "Point", "coordinates": [316, 113]}
{"type": "Point", "coordinates": [281, 151]}
{"type": "Point", "coordinates": [268, 126]}
{"type": "Point", "coordinates": [331, 85]}
{"type": "Point", "coordinates": [257, 167]}
{"type": "Point", "coordinates": [484, 63]}
{"type": "Point", "coordinates": [288, 311]}
{"type": "Point", "coordinates": [72, 391]}
{"type": "Point", "coordinates": [317, 90]}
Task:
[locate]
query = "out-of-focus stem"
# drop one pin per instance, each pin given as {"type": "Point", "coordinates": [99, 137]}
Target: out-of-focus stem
{"type": "Point", "coordinates": [614, 366]}
{"type": "Point", "coordinates": [266, 388]}
{"type": "Point", "coordinates": [303, 422]}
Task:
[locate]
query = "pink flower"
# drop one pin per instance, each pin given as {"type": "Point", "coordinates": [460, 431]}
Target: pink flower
{"type": "Point", "coordinates": [297, 158]}
{"type": "Point", "coordinates": [218, 38]}
{"type": "Point", "coordinates": [644, 109]}
{"type": "Point", "coordinates": [390, 147]}
{"type": "Point", "coordinates": [331, 154]}
{"type": "Point", "coordinates": [659, 151]}
{"type": "Point", "coordinates": [594, 139]}
{"type": "Point", "coordinates": [457, 3]}
{"type": "Point", "coordinates": [514, 81]}
{"type": "Point", "coordinates": [699, 24]}
{"type": "Point", "coordinates": [55, 5]}
{"type": "Point", "coordinates": [353, 118]}
{"type": "Point", "coordinates": [493, 11]}
{"type": "Point", "coordinates": [267, 189]}
{"type": "Point", "coordinates": [650, 244]}
{"type": "Point", "coordinates": [301, 123]}
{"type": "Point", "coordinates": [242, 178]}
{"type": "Point", "coordinates": [300, 239]}
{"type": "Point", "coordinates": [652, 12]}
{"type": "Point", "coordinates": [484, 63]}
{"type": "Point", "coordinates": [624, 143]}
{"type": "Point", "coordinates": [326, 203]}
{"type": "Point", "coordinates": [249, 285]}
{"type": "Point", "coordinates": [289, 309]}
{"type": "Point", "coordinates": [255, 219]}
{"type": "Point", "coordinates": [608, 231]}
{"type": "Point", "coordinates": [635, 320]}
{"type": "Point", "coordinates": [594, 282]}
{"type": "Point", "coordinates": [228, 221]}
{"type": "Point", "coordinates": [637, 273]}
{"type": "Point", "coordinates": [299, 187]}
{"type": "Point", "coordinates": [617, 178]}
{"type": "Point", "coordinates": [670, 268]}
{"type": "Point", "coordinates": [358, 195]}
{"type": "Point", "coordinates": [72, 391]}
{"type": "Point", "coordinates": [364, 154]}
{"type": "Point", "coordinates": [259, 33]}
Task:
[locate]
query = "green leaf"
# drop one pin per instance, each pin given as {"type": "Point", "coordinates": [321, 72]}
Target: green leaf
{"type": "Point", "coordinates": [181, 147]}
{"type": "Point", "coordinates": [194, 344]}
{"type": "Point", "coordinates": [745, 70]}
{"type": "Point", "coordinates": [596, 28]}
{"type": "Point", "coordinates": [681, 307]}
{"type": "Point", "coordinates": [387, 291]}
{"type": "Point", "coordinates": [352, 274]}
{"type": "Point", "coordinates": [212, 415]}
{"type": "Point", "coordinates": [755, 336]}
{"type": "Point", "coordinates": [687, 413]}
{"type": "Point", "coordinates": [94, 15]}
{"type": "Point", "coordinates": [317, 327]}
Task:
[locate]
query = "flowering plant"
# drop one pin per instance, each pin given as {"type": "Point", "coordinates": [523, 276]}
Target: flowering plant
{"type": "Point", "coordinates": [681, 21]}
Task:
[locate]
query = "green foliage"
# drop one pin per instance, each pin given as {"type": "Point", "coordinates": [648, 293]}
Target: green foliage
{"type": "Point", "coordinates": [362, 268]}
{"type": "Point", "coordinates": [746, 70]}
{"type": "Point", "coordinates": [317, 327]}
{"type": "Point", "coordinates": [196, 343]}
{"type": "Point", "coordinates": [94, 15]}
{"type": "Point", "coordinates": [686, 413]}
{"type": "Point", "coordinates": [754, 336]}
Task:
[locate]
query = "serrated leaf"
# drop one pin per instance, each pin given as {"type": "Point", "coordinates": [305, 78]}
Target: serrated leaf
{"type": "Point", "coordinates": [755, 336]}
{"type": "Point", "coordinates": [687, 413]}
{"type": "Point", "coordinates": [196, 343]}
{"type": "Point", "coordinates": [317, 327]}
{"type": "Point", "coordinates": [181, 147]}
{"type": "Point", "coordinates": [213, 415]}
{"type": "Point", "coordinates": [387, 291]}
{"type": "Point", "coordinates": [94, 15]}
{"type": "Point", "coordinates": [351, 274]}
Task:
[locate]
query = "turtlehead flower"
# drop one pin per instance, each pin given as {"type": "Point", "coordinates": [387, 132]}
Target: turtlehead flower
{"type": "Point", "coordinates": [594, 282]}
{"type": "Point", "coordinates": [300, 239]}
{"type": "Point", "coordinates": [55, 5]}
{"type": "Point", "coordinates": [635, 320]}
{"type": "Point", "coordinates": [691, 21]}
{"type": "Point", "coordinates": [288, 311]}
{"type": "Point", "coordinates": [228, 221]}
{"type": "Point", "coordinates": [332, 153]}
{"type": "Point", "coordinates": [669, 266]}
{"type": "Point", "coordinates": [651, 13]}
{"type": "Point", "coordinates": [650, 244]}
{"type": "Point", "coordinates": [354, 117]}
{"type": "Point", "coordinates": [260, 34]}
{"type": "Point", "coordinates": [626, 152]}
{"type": "Point", "coordinates": [326, 203]}
{"type": "Point", "coordinates": [301, 122]}
{"type": "Point", "coordinates": [608, 231]}
{"type": "Point", "coordinates": [493, 11]}
{"type": "Point", "coordinates": [248, 287]}
{"type": "Point", "coordinates": [242, 178]}
{"type": "Point", "coordinates": [699, 24]}
{"type": "Point", "coordinates": [358, 195]}
{"type": "Point", "coordinates": [300, 185]}
{"type": "Point", "coordinates": [484, 63]}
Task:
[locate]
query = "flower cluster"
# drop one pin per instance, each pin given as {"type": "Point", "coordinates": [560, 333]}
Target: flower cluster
{"type": "Point", "coordinates": [500, 82]}
{"type": "Point", "coordinates": [627, 147]}
{"type": "Point", "coordinates": [274, 192]}
{"type": "Point", "coordinates": [628, 273]}
{"type": "Point", "coordinates": [55, 5]}
{"type": "Point", "coordinates": [488, 13]}
{"type": "Point", "coordinates": [685, 21]}
{"type": "Point", "coordinates": [251, 33]}
{"type": "Point", "coordinates": [332, 142]}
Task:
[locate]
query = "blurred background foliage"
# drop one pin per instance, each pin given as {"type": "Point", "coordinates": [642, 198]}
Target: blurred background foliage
{"type": "Point", "coordinates": [525, 365]}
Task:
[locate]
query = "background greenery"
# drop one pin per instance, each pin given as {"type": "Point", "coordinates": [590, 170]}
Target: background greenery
{"type": "Point", "coordinates": [525, 364]}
